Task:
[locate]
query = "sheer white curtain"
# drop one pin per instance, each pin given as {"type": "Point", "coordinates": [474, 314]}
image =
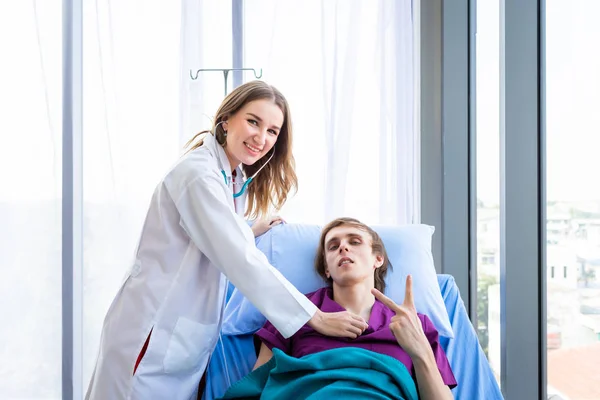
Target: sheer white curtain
{"type": "Point", "coordinates": [346, 68]}
{"type": "Point", "coordinates": [130, 138]}
{"type": "Point", "coordinates": [205, 44]}
{"type": "Point", "coordinates": [140, 107]}
{"type": "Point", "coordinates": [30, 199]}
{"type": "Point", "coordinates": [340, 64]}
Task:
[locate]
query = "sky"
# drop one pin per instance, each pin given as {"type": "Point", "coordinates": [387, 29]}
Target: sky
{"type": "Point", "coordinates": [572, 102]}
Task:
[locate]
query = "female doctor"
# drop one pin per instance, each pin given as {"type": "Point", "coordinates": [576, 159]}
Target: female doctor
{"type": "Point", "coordinates": [163, 324]}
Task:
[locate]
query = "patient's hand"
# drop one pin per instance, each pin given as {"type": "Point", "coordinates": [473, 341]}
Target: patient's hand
{"type": "Point", "coordinates": [406, 325]}
{"type": "Point", "coordinates": [338, 324]}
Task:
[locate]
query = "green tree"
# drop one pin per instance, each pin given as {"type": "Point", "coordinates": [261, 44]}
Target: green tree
{"type": "Point", "coordinates": [587, 275]}
{"type": "Point", "coordinates": [483, 284]}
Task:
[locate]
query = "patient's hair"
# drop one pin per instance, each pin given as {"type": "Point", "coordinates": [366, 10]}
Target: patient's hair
{"type": "Point", "coordinates": [269, 190]}
{"type": "Point", "coordinates": [376, 245]}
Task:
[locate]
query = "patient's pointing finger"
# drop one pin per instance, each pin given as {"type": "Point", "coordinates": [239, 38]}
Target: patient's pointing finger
{"type": "Point", "coordinates": [408, 297]}
{"type": "Point", "coordinates": [385, 300]}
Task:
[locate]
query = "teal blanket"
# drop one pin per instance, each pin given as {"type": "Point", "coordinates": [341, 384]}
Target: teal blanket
{"type": "Point", "coordinates": [344, 373]}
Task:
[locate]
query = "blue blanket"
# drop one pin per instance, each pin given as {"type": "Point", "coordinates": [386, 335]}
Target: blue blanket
{"type": "Point", "coordinates": [344, 373]}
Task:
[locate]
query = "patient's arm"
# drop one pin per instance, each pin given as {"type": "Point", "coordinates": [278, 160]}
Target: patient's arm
{"type": "Point", "coordinates": [429, 380]}
{"type": "Point", "coordinates": [264, 355]}
{"type": "Point", "coordinates": [408, 330]}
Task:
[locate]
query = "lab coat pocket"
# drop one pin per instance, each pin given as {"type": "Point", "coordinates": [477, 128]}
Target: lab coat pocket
{"type": "Point", "coordinates": [190, 343]}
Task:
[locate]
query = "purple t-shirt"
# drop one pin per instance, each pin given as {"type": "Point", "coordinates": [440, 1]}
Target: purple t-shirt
{"type": "Point", "coordinates": [377, 337]}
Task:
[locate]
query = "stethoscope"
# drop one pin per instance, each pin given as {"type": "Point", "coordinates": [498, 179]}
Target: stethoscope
{"type": "Point", "coordinates": [247, 182]}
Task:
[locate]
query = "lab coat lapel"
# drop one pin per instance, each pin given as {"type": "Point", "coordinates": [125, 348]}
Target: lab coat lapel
{"type": "Point", "coordinates": [239, 203]}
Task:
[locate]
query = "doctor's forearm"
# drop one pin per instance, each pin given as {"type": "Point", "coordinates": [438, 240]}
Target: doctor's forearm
{"type": "Point", "coordinates": [223, 238]}
{"type": "Point", "coordinates": [429, 380]}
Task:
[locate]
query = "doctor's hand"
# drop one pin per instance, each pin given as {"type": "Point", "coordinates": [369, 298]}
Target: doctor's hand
{"type": "Point", "coordinates": [338, 324]}
{"type": "Point", "coordinates": [406, 325]}
{"type": "Point", "coordinates": [262, 225]}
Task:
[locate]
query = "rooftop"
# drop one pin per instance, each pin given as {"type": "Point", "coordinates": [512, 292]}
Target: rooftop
{"type": "Point", "coordinates": [576, 371]}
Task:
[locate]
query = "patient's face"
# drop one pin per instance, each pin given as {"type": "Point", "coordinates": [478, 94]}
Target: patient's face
{"type": "Point", "coordinates": [349, 256]}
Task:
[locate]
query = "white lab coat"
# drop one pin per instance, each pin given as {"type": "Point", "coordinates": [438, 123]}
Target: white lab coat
{"type": "Point", "coordinates": [192, 239]}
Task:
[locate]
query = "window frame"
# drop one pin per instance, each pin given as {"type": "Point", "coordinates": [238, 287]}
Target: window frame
{"type": "Point", "coordinates": [448, 154]}
{"type": "Point", "coordinates": [72, 200]}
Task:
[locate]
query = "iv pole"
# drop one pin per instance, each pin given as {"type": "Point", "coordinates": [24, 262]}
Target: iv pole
{"type": "Point", "coordinates": [225, 72]}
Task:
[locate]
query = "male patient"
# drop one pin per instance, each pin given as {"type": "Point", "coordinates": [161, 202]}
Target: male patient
{"type": "Point", "coordinates": [351, 257]}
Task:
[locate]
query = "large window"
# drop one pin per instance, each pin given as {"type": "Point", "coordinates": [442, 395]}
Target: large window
{"type": "Point", "coordinates": [30, 199]}
{"type": "Point", "coordinates": [572, 264]}
{"type": "Point", "coordinates": [573, 198]}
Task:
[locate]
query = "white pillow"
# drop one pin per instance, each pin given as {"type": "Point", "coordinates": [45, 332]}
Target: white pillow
{"type": "Point", "coordinates": [291, 248]}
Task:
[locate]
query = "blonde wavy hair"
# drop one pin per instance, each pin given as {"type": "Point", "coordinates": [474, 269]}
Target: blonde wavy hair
{"type": "Point", "coordinates": [270, 189]}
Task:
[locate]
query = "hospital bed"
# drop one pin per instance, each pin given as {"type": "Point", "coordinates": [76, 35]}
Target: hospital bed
{"type": "Point", "coordinates": [235, 353]}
